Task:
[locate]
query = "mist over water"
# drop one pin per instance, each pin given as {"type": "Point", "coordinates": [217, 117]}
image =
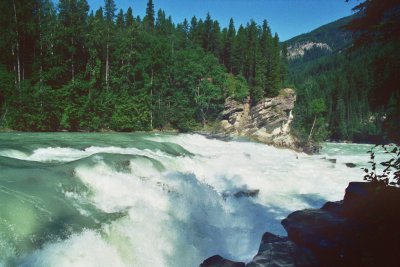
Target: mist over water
{"type": "Point", "coordinates": [70, 199]}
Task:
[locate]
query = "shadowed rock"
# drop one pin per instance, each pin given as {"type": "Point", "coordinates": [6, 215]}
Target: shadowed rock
{"type": "Point", "coordinates": [218, 261]}
{"type": "Point", "coordinates": [362, 230]}
{"type": "Point", "coordinates": [276, 251]}
{"type": "Point", "coordinates": [247, 193]}
{"type": "Point", "coordinates": [332, 160]}
{"type": "Point", "coordinates": [351, 165]}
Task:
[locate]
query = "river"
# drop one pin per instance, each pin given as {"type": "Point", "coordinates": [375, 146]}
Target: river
{"type": "Point", "coordinates": [135, 199]}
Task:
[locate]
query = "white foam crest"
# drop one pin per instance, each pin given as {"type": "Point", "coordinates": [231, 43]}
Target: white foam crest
{"type": "Point", "coordinates": [87, 249]}
{"type": "Point", "coordinates": [115, 191]}
{"type": "Point", "coordinates": [63, 154]}
{"type": "Point", "coordinates": [12, 153]}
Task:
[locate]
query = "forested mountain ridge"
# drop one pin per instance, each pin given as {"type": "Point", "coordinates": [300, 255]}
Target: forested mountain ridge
{"type": "Point", "coordinates": [350, 92]}
{"type": "Point", "coordinates": [63, 68]}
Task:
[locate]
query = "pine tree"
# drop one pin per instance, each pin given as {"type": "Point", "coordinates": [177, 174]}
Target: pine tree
{"type": "Point", "coordinates": [239, 50]}
{"type": "Point", "coordinates": [120, 22]}
{"type": "Point", "coordinates": [276, 67]}
{"type": "Point", "coordinates": [207, 32]}
{"type": "Point", "coordinates": [129, 18]}
{"type": "Point", "coordinates": [228, 46]}
{"type": "Point", "coordinates": [149, 18]}
{"type": "Point", "coordinates": [109, 14]}
{"type": "Point", "coordinates": [284, 63]}
{"type": "Point", "coordinates": [215, 39]}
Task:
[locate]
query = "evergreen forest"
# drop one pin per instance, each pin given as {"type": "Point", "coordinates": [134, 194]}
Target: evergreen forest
{"type": "Point", "coordinates": [351, 92]}
{"type": "Point", "coordinates": [65, 67]}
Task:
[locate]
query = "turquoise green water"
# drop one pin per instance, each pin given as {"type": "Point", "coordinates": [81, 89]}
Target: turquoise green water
{"type": "Point", "coordinates": [86, 199]}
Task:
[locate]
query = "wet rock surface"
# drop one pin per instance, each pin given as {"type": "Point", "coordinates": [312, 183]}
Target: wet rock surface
{"type": "Point", "coordinates": [218, 261]}
{"type": "Point", "coordinates": [362, 230]}
{"type": "Point", "coordinates": [350, 165]}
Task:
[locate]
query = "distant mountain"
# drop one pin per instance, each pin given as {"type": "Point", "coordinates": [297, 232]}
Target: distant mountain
{"type": "Point", "coordinates": [327, 39]}
{"type": "Point", "coordinates": [355, 90]}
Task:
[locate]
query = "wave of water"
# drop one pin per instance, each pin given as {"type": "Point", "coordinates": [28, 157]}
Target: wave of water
{"type": "Point", "coordinates": [165, 200]}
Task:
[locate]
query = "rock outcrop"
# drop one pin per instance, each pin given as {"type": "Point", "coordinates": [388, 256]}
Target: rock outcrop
{"type": "Point", "coordinates": [276, 251]}
{"type": "Point", "coordinates": [299, 49]}
{"type": "Point", "coordinates": [362, 230]}
{"type": "Point", "coordinates": [218, 261]}
{"type": "Point", "coordinates": [268, 121]}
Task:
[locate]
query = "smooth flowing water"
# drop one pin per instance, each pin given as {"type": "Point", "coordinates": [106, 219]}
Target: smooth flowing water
{"type": "Point", "coordinates": [80, 199]}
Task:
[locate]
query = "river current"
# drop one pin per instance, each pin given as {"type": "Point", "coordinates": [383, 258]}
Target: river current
{"type": "Point", "coordinates": [167, 200]}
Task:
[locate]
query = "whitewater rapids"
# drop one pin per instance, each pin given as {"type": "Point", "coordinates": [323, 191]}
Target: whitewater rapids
{"type": "Point", "coordinates": [154, 199]}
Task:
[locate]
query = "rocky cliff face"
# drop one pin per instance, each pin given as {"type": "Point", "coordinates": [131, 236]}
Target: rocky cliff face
{"type": "Point", "coordinates": [298, 50]}
{"type": "Point", "coordinates": [268, 121]}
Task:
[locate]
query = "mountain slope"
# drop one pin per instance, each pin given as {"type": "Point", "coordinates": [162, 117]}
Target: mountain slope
{"type": "Point", "coordinates": [343, 94]}
{"type": "Point", "coordinates": [327, 39]}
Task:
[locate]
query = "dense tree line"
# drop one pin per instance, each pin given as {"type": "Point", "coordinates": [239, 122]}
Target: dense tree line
{"type": "Point", "coordinates": [62, 67]}
{"type": "Point", "coordinates": [353, 94]}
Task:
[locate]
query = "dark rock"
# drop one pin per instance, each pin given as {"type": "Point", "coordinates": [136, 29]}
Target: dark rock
{"type": "Point", "coordinates": [241, 193]}
{"type": "Point", "coordinates": [247, 193]}
{"type": "Point", "coordinates": [318, 229]}
{"type": "Point", "coordinates": [332, 160]}
{"type": "Point", "coordinates": [362, 230]}
{"type": "Point", "coordinates": [276, 251]}
{"type": "Point", "coordinates": [310, 148]}
{"type": "Point", "coordinates": [351, 165]}
{"type": "Point", "coordinates": [218, 261]}
{"type": "Point", "coordinates": [333, 207]}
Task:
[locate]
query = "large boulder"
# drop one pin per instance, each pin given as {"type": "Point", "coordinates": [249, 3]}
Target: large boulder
{"type": "Point", "coordinates": [361, 230]}
{"type": "Point", "coordinates": [276, 251]}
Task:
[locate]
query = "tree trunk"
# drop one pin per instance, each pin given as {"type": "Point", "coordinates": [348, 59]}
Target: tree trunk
{"type": "Point", "coordinates": [72, 61]}
{"type": "Point", "coordinates": [41, 54]}
{"type": "Point", "coordinates": [312, 128]}
{"type": "Point", "coordinates": [107, 65]}
{"type": "Point", "coordinates": [5, 114]}
{"type": "Point", "coordinates": [151, 98]}
{"type": "Point", "coordinates": [14, 67]}
{"type": "Point", "coordinates": [107, 55]}
{"type": "Point", "coordinates": [17, 46]}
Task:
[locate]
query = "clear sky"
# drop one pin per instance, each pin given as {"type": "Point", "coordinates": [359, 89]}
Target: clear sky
{"type": "Point", "coordinates": [286, 17]}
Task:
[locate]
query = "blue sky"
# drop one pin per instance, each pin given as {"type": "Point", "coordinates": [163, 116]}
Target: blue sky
{"type": "Point", "coordinates": [286, 17]}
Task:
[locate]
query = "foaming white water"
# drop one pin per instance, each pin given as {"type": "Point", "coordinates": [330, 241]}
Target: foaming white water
{"type": "Point", "coordinates": [87, 249]}
{"type": "Point", "coordinates": [12, 153]}
{"type": "Point", "coordinates": [282, 176]}
{"type": "Point", "coordinates": [62, 154]}
{"type": "Point", "coordinates": [185, 213]}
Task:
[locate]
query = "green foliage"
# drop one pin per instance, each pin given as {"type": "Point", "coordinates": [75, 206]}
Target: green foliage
{"type": "Point", "coordinates": [390, 174]}
{"type": "Point", "coordinates": [70, 70]}
{"type": "Point", "coordinates": [6, 89]}
{"type": "Point", "coordinates": [236, 87]}
{"type": "Point", "coordinates": [131, 113]}
{"type": "Point", "coordinates": [317, 106]}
